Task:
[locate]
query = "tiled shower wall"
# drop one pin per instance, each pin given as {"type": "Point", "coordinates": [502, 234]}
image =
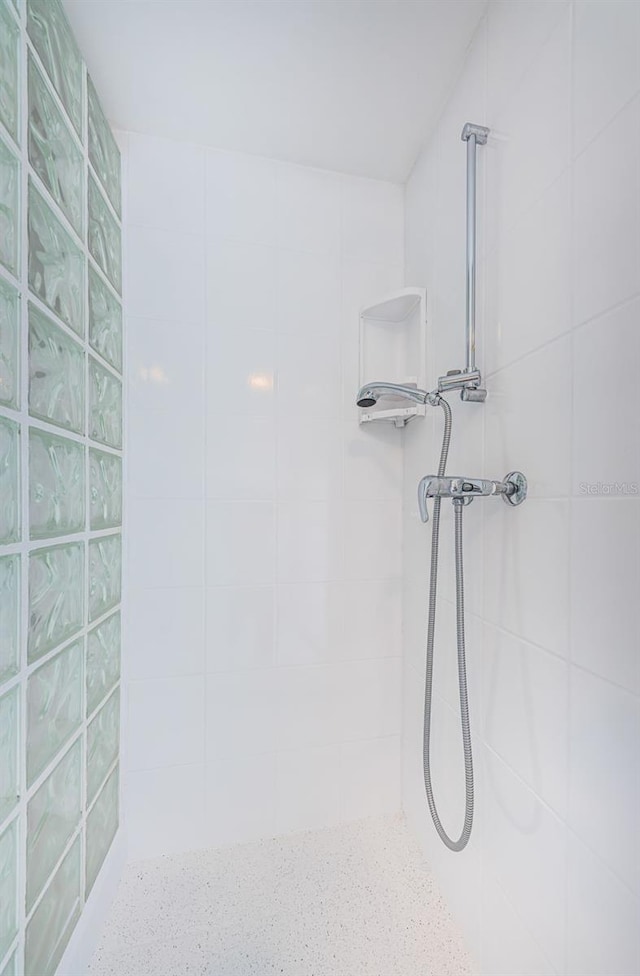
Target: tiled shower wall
{"type": "Point", "coordinates": [263, 638]}
{"type": "Point", "coordinates": [550, 882]}
{"type": "Point", "coordinates": [60, 486]}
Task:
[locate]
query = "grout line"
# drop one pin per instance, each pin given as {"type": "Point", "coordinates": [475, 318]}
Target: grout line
{"type": "Point", "coordinates": [275, 751]}
{"type": "Point", "coordinates": [205, 619]}
{"type": "Point", "coordinates": [566, 745]}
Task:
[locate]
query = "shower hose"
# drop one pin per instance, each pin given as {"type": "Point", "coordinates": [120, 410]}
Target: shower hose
{"type": "Point", "coordinates": [463, 839]}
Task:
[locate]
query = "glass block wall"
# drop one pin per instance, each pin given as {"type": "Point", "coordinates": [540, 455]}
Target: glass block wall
{"type": "Point", "coordinates": [60, 485]}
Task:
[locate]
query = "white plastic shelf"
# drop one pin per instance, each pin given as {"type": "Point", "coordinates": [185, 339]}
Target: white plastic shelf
{"type": "Point", "coordinates": [393, 350]}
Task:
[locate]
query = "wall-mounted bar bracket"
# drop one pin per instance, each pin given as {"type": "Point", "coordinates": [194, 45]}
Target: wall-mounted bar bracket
{"type": "Point", "coordinates": [480, 132]}
{"type": "Point", "coordinates": [469, 381]}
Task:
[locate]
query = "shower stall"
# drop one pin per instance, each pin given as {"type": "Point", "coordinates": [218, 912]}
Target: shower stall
{"type": "Point", "coordinates": [262, 652]}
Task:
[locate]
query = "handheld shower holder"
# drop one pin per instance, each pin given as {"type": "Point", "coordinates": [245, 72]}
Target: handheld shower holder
{"type": "Point", "coordinates": [513, 489]}
{"type": "Point", "coordinates": [468, 381]}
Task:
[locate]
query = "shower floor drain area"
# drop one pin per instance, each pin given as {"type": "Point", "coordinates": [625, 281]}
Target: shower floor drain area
{"type": "Point", "coordinates": [355, 900]}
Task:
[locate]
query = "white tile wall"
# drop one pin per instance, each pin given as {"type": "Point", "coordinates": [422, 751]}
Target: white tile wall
{"type": "Point", "coordinates": [554, 861]}
{"type": "Point", "coordinates": [602, 923]}
{"type": "Point", "coordinates": [264, 632]}
{"type": "Point", "coordinates": [266, 549]}
{"type": "Point", "coordinates": [606, 64]}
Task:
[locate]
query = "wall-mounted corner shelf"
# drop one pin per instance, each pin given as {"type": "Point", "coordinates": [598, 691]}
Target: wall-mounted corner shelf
{"type": "Point", "coordinates": [393, 349]}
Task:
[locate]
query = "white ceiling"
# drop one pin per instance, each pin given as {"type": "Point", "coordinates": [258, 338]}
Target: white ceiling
{"type": "Point", "coordinates": [348, 85]}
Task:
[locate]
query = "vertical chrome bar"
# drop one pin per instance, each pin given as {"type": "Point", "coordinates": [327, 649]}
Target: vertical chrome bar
{"type": "Point", "coordinates": [473, 135]}
{"type": "Point", "coordinates": [471, 253]}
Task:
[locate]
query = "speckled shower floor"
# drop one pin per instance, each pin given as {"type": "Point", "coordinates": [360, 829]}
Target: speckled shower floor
{"type": "Point", "coordinates": [355, 900]}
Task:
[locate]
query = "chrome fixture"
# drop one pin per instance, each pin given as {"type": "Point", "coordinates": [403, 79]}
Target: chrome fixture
{"type": "Point", "coordinates": [469, 380]}
{"type": "Point", "coordinates": [513, 489]}
{"type": "Point", "coordinates": [369, 395]}
{"type": "Point", "coordinates": [461, 490]}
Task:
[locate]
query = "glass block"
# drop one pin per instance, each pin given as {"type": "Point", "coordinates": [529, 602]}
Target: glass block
{"type": "Point", "coordinates": [53, 40]}
{"type": "Point", "coordinates": [53, 153]}
{"type": "Point", "coordinates": [106, 490]}
{"type": "Point", "coordinates": [105, 566]}
{"type": "Point", "coordinates": [56, 485]}
{"type": "Point", "coordinates": [105, 405]}
{"type": "Point", "coordinates": [9, 209]}
{"type": "Point", "coordinates": [104, 236]}
{"type": "Point", "coordinates": [56, 374]}
{"type": "Point", "coordinates": [53, 813]}
{"type": "Point", "coordinates": [8, 886]}
{"type": "Point", "coordinates": [9, 331]}
{"type": "Point", "coordinates": [56, 596]}
{"type": "Point", "coordinates": [9, 615]}
{"type": "Point", "coordinates": [8, 752]}
{"type": "Point", "coordinates": [56, 265]}
{"type": "Point", "coordinates": [102, 824]}
{"type": "Point", "coordinates": [103, 660]}
{"type": "Point", "coordinates": [54, 707]}
{"type": "Point", "coordinates": [105, 321]}
{"type": "Point", "coordinates": [9, 481]}
{"type": "Point", "coordinates": [9, 60]}
{"type": "Point", "coordinates": [103, 150]}
{"type": "Point", "coordinates": [103, 739]}
{"type": "Point", "coordinates": [11, 968]}
{"type": "Point", "coordinates": [55, 917]}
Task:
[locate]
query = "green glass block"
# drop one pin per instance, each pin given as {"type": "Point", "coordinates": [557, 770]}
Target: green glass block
{"type": "Point", "coordinates": [9, 331]}
{"type": "Point", "coordinates": [53, 813]}
{"type": "Point", "coordinates": [53, 40]}
{"type": "Point", "coordinates": [105, 321]}
{"type": "Point", "coordinates": [56, 485]}
{"type": "Point", "coordinates": [106, 490]}
{"type": "Point", "coordinates": [9, 209]}
{"type": "Point", "coordinates": [8, 753]}
{"type": "Point", "coordinates": [53, 153]}
{"type": "Point", "coordinates": [56, 596]}
{"type": "Point", "coordinates": [103, 740]}
{"type": "Point", "coordinates": [56, 265]}
{"type": "Point", "coordinates": [9, 615]}
{"type": "Point", "coordinates": [56, 374]}
{"type": "Point", "coordinates": [54, 707]}
{"type": "Point", "coordinates": [102, 824]}
{"type": "Point", "coordinates": [104, 236]}
{"type": "Point", "coordinates": [8, 886]}
{"type": "Point", "coordinates": [55, 917]}
{"type": "Point", "coordinates": [103, 150]}
{"type": "Point", "coordinates": [9, 61]}
{"type": "Point", "coordinates": [9, 481]}
{"type": "Point", "coordinates": [11, 968]}
{"type": "Point", "coordinates": [105, 405]}
{"type": "Point", "coordinates": [103, 660]}
{"type": "Point", "coordinates": [105, 570]}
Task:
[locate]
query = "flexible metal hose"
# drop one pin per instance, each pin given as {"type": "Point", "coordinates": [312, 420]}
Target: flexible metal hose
{"type": "Point", "coordinates": [462, 841]}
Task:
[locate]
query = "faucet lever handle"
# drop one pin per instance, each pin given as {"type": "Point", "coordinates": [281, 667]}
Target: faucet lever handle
{"type": "Point", "coordinates": [423, 491]}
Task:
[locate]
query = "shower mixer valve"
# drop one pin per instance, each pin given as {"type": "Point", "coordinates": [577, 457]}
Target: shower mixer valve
{"type": "Point", "coordinates": [513, 489]}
